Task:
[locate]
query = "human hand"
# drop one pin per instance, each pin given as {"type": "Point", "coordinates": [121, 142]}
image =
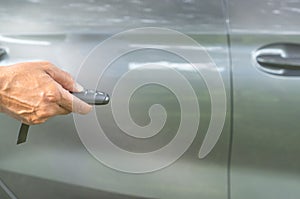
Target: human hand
{"type": "Point", "coordinates": [32, 92]}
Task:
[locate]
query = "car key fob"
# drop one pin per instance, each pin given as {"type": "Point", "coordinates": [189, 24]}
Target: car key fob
{"type": "Point", "coordinates": [91, 97]}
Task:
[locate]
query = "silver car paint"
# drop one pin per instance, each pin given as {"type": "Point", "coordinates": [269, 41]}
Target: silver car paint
{"type": "Point", "coordinates": [265, 151]}
{"type": "Point", "coordinates": [54, 158]}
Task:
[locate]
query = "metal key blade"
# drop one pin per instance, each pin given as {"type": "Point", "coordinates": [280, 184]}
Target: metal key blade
{"type": "Point", "coordinates": [23, 133]}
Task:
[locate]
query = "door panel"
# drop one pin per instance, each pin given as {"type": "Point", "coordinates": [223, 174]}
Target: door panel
{"type": "Point", "coordinates": [265, 148]}
{"type": "Point", "coordinates": [109, 16]}
{"type": "Point", "coordinates": [54, 152]}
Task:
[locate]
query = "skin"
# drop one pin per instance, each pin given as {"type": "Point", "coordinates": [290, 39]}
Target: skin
{"type": "Point", "coordinates": [33, 92]}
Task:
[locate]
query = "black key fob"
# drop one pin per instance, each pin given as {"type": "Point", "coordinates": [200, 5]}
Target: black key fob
{"type": "Point", "coordinates": [92, 97]}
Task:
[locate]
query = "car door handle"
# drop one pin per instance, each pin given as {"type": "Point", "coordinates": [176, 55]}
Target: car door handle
{"type": "Point", "coordinates": [279, 59]}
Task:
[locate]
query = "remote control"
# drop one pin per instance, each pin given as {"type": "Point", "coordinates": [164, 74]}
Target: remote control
{"type": "Point", "coordinates": [89, 96]}
{"type": "Point", "coordinates": [93, 97]}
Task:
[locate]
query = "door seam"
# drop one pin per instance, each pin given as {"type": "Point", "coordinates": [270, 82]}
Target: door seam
{"type": "Point", "coordinates": [231, 93]}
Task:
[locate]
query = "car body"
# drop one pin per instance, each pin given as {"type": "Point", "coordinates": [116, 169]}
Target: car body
{"type": "Point", "coordinates": [256, 154]}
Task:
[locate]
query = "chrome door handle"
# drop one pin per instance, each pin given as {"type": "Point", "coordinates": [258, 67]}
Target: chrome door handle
{"type": "Point", "coordinates": [279, 59]}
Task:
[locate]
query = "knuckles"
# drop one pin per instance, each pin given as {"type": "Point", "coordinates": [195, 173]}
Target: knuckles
{"type": "Point", "coordinates": [48, 93]}
{"type": "Point", "coordinates": [52, 95]}
{"type": "Point", "coordinates": [43, 91]}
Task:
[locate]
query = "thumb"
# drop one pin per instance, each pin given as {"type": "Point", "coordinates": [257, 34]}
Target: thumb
{"type": "Point", "coordinates": [62, 77]}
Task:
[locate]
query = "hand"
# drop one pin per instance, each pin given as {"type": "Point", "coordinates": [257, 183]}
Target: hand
{"type": "Point", "coordinates": [32, 92]}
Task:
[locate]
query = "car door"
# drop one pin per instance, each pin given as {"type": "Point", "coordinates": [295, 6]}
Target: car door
{"type": "Point", "coordinates": [265, 152]}
{"type": "Point", "coordinates": [58, 161]}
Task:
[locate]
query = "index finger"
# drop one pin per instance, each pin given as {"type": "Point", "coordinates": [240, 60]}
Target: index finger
{"type": "Point", "coordinates": [72, 103]}
{"type": "Point", "coordinates": [60, 76]}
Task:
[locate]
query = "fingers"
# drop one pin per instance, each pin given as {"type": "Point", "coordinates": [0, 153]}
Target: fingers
{"type": "Point", "coordinates": [55, 110]}
{"type": "Point", "coordinates": [71, 103]}
{"type": "Point", "coordinates": [65, 83]}
{"type": "Point", "coordinates": [61, 77]}
{"type": "Point", "coordinates": [52, 111]}
{"type": "Point", "coordinates": [43, 114]}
